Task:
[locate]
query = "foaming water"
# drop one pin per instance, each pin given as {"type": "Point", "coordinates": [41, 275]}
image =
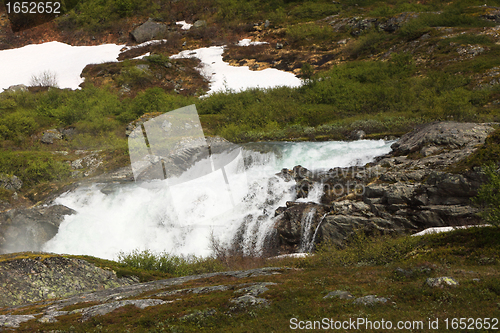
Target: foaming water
{"type": "Point", "coordinates": [181, 219]}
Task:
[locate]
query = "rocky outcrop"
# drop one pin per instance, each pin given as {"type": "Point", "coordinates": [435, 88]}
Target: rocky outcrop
{"type": "Point", "coordinates": [27, 229]}
{"type": "Point", "coordinates": [356, 25]}
{"type": "Point", "coordinates": [50, 135]}
{"type": "Point", "coordinates": [410, 189]}
{"type": "Point", "coordinates": [11, 183]}
{"type": "Point", "coordinates": [50, 277]}
{"type": "Point", "coordinates": [33, 279]}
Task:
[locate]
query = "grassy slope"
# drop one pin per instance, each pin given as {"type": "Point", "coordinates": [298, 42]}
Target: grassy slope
{"type": "Point", "coordinates": [352, 86]}
{"type": "Point", "coordinates": [358, 89]}
{"type": "Point", "coordinates": [365, 267]}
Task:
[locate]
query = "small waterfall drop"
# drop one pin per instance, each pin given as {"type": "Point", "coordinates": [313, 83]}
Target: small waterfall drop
{"type": "Point", "coordinates": [181, 219]}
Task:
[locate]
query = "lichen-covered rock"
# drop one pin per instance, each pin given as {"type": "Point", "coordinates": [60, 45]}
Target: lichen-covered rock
{"type": "Point", "coordinates": [441, 282]}
{"type": "Point", "coordinates": [70, 274]}
{"type": "Point", "coordinates": [50, 135]}
{"type": "Point", "coordinates": [102, 309]}
{"type": "Point", "coordinates": [12, 321]}
{"type": "Point", "coordinates": [11, 183]}
{"type": "Point", "coordinates": [452, 135]}
{"type": "Point", "coordinates": [340, 294]}
{"type": "Point", "coordinates": [33, 279]}
{"type": "Point", "coordinates": [370, 300]}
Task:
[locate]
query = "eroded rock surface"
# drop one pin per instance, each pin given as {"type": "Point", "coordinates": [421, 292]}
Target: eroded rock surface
{"type": "Point", "coordinates": [409, 189]}
{"type": "Point", "coordinates": [27, 229]}
{"type": "Point", "coordinates": [29, 280]}
{"type": "Point", "coordinates": [53, 273]}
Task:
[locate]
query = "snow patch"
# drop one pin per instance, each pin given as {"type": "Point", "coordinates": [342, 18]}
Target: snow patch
{"type": "Point", "coordinates": [185, 25]}
{"type": "Point", "coordinates": [66, 62]}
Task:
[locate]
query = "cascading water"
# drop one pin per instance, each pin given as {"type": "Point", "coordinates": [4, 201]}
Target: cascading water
{"type": "Point", "coordinates": [181, 219]}
{"type": "Point", "coordinates": [306, 223]}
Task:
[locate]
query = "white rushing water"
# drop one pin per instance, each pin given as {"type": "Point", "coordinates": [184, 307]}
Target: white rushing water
{"type": "Point", "coordinates": [180, 219]}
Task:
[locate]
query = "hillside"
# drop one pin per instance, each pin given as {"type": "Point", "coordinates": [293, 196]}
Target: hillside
{"type": "Point", "coordinates": [379, 68]}
{"type": "Point", "coordinates": [427, 72]}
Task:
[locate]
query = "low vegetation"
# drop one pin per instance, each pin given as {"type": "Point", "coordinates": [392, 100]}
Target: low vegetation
{"type": "Point", "coordinates": [394, 267]}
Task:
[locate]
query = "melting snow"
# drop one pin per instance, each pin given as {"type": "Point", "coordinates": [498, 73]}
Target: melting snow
{"type": "Point", "coordinates": [17, 66]}
{"type": "Point", "coordinates": [66, 62]}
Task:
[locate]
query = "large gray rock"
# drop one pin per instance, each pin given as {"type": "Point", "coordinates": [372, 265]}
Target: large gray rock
{"type": "Point", "coordinates": [337, 228]}
{"type": "Point", "coordinates": [148, 31]}
{"type": "Point", "coordinates": [38, 278]}
{"type": "Point", "coordinates": [451, 135]}
{"type": "Point", "coordinates": [400, 193]}
{"type": "Point", "coordinates": [29, 229]}
{"type": "Point", "coordinates": [50, 135]}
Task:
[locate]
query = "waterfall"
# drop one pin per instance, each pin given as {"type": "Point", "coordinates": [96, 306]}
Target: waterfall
{"type": "Point", "coordinates": [306, 226]}
{"type": "Point", "coordinates": [180, 219]}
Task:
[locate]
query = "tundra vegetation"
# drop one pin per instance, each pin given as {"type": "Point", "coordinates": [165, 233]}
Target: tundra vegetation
{"type": "Point", "coordinates": [441, 63]}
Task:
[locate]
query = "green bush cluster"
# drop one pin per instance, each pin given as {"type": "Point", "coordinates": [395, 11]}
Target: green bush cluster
{"type": "Point", "coordinates": [33, 167]}
{"type": "Point", "coordinates": [309, 33]}
{"type": "Point", "coordinates": [386, 92]}
{"type": "Point", "coordinates": [488, 195]}
{"type": "Point", "coordinates": [362, 249]}
{"type": "Point", "coordinates": [171, 264]}
{"type": "Point", "coordinates": [454, 15]}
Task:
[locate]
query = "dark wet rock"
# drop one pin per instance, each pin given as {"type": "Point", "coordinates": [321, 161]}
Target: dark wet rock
{"type": "Point", "coordinates": [370, 300]}
{"type": "Point", "coordinates": [297, 224]}
{"type": "Point", "coordinates": [358, 25]}
{"type": "Point", "coordinates": [340, 294]}
{"type": "Point", "coordinates": [148, 31]}
{"type": "Point", "coordinates": [407, 190]}
{"type": "Point", "coordinates": [27, 229]}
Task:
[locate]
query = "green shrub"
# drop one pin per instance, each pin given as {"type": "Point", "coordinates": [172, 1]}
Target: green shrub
{"type": "Point", "coordinates": [167, 263]}
{"type": "Point", "coordinates": [309, 33]}
{"type": "Point", "coordinates": [135, 77]}
{"type": "Point", "coordinates": [368, 44]}
{"type": "Point", "coordinates": [489, 195]}
{"type": "Point", "coordinates": [314, 10]}
{"type": "Point", "coordinates": [158, 59]}
{"type": "Point", "coordinates": [33, 167]}
{"type": "Point", "coordinates": [156, 100]}
{"type": "Point", "coordinates": [18, 124]}
{"type": "Point", "coordinates": [362, 249]}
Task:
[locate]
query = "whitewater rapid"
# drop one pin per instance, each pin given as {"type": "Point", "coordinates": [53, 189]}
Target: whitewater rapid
{"type": "Point", "coordinates": [182, 219]}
